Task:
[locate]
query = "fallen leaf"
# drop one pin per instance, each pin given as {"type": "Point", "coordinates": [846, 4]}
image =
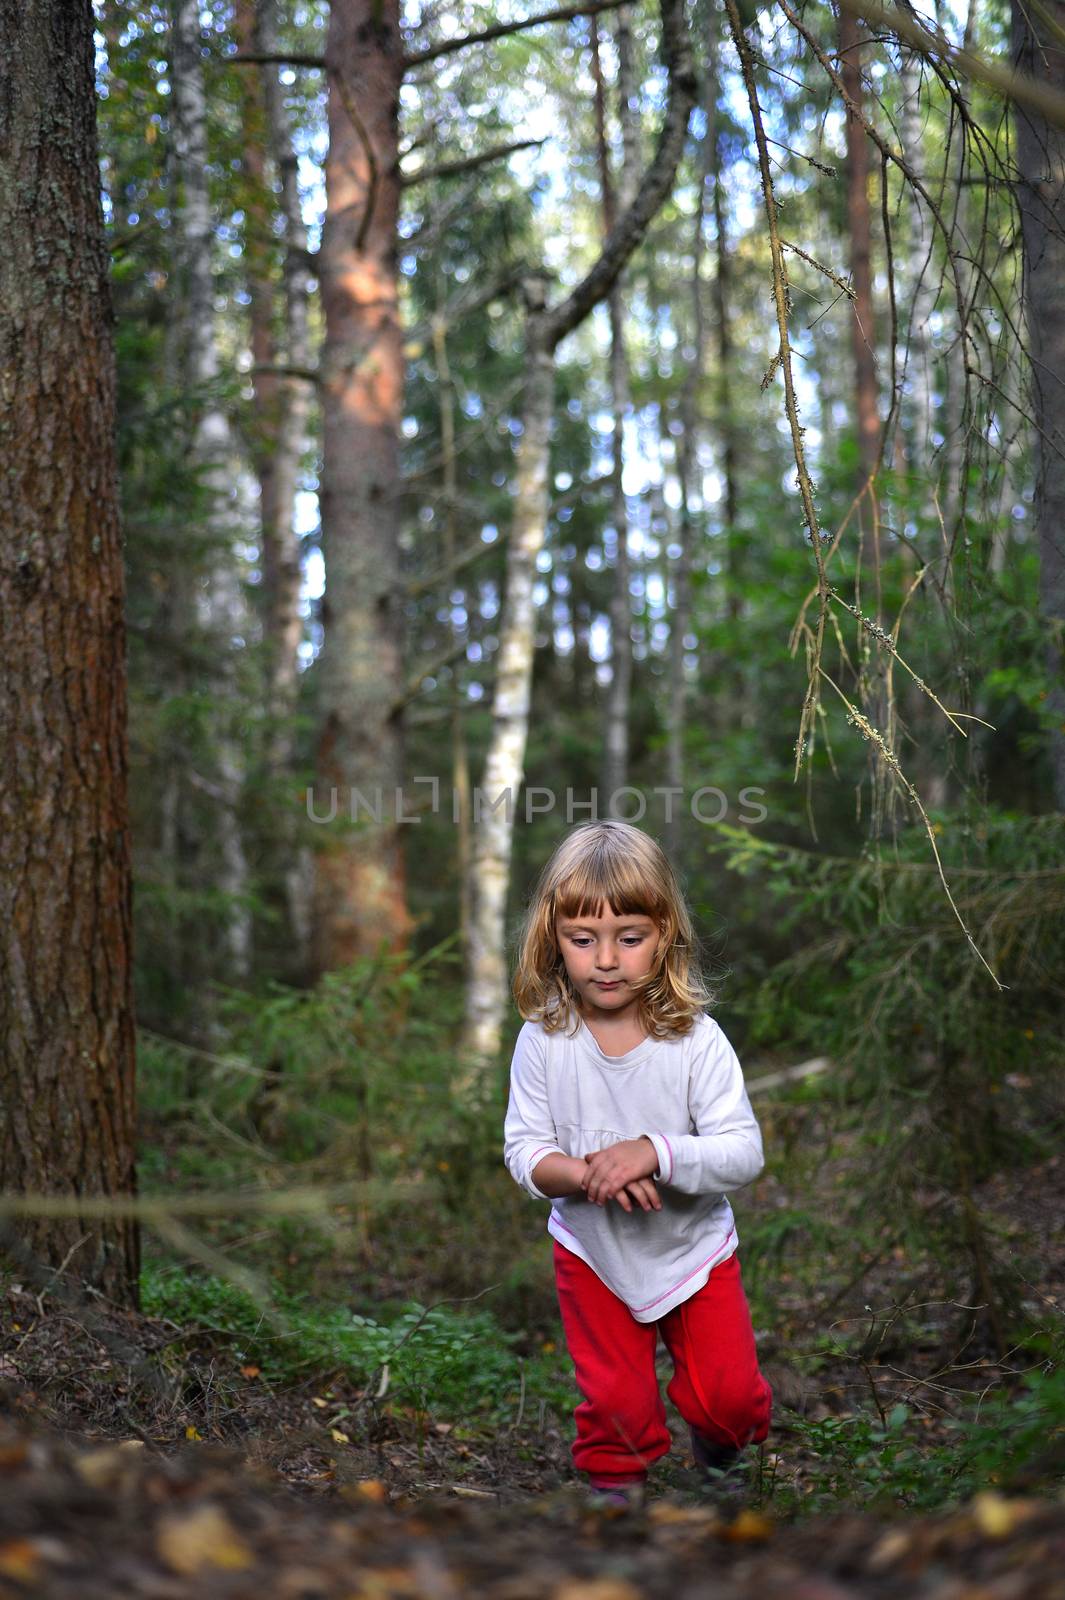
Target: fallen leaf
{"type": "Point", "coordinates": [20, 1560]}
{"type": "Point", "coordinates": [250, 1371]}
{"type": "Point", "coordinates": [996, 1517]}
{"type": "Point", "coordinates": [595, 1589]}
{"type": "Point", "coordinates": [192, 1432]}
{"type": "Point", "coordinates": [102, 1469]}
{"type": "Point", "coordinates": [338, 1437]}
{"type": "Point", "coordinates": [894, 1544]}
{"type": "Point", "coordinates": [13, 1456]}
{"type": "Point", "coordinates": [750, 1527]}
{"type": "Point", "coordinates": [372, 1489]}
{"type": "Point", "coordinates": [205, 1537]}
{"type": "Point", "coordinates": [665, 1514]}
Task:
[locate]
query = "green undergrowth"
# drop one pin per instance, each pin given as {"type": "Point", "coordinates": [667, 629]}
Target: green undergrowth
{"type": "Point", "coordinates": [443, 1363]}
{"type": "Point", "coordinates": [1009, 1442]}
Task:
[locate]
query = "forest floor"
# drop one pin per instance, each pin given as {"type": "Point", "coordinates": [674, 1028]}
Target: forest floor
{"type": "Point", "coordinates": [142, 1457]}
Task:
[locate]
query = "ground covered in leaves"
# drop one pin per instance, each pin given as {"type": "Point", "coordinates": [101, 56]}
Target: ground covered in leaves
{"type": "Point", "coordinates": [123, 1519]}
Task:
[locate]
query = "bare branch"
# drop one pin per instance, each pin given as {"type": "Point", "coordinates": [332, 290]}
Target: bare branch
{"type": "Point", "coordinates": [1016, 86]}
{"type": "Point", "coordinates": [499, 30]}
{"type": "Point", "coordinates": [452, 169]}
{"type": "Point", "coordinates": [656, 183]}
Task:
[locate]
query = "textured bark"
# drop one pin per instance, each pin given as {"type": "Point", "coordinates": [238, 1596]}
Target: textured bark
{"type": "Point", "coordinates": [223, 609]}
{"type": "Point", "coordinates": [66, 1009]}
{"type": "Point", "coordinates": [1038, 50]}
{"type": "Point", "coordinates": [863, 343]}
{"type": "Point", "coordinates": [360, 889]}
{"type": "Point", "coordinates": [504, 768]}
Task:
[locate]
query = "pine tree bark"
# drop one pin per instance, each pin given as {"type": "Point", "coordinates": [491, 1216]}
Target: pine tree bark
{"type": "Point", "coordinates": [66, 1007]}
{"type": "Point", "coordinates": [360, 898]}
{"type": "Point", "coordinates": [1038, 51]}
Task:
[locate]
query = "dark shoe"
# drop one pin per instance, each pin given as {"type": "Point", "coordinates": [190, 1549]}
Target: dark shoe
{"type": "Point", "coordinates": [711, 1456]}
{"type": "Point", "coordinates": [721, 1467]}
{"type": "Point", "coordinates": [616, 1497]}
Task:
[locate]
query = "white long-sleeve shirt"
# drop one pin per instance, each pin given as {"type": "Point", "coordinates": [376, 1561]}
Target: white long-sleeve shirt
{"type": "Point", "coordinates": [687, 1095]}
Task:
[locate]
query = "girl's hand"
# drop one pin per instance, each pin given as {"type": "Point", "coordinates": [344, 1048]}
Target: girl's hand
{"type": "Point", "coordinates": [613, 1169]}
{"type": "Point", "coordinates": [643, 1191]}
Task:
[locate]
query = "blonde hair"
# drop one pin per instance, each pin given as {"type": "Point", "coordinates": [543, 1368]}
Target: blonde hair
{"type": "Point", "coordinates": [617, 863]}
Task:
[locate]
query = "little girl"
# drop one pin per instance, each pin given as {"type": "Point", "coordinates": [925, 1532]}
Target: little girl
{"type": "Point", "coordinates": [629, 1113]}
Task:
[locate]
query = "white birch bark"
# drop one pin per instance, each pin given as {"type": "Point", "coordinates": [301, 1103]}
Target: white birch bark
{"type": "Point", "coordinates": [223, 609]}
{"type": "Point", "coordinates": [504, 769]}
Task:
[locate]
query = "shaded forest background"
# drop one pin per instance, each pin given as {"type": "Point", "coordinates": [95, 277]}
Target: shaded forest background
{"type": "Point", "coordinates": [662, 404]}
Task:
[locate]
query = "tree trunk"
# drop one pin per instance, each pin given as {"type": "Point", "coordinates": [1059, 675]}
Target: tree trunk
{"type": "Point", "coordinates": [211, 457]}
{"type": "Point", "coordinates": [1039, 52]}
{"type": "Point", "coordinates": [360, 888]}
{"type": "Point", "coordinates": [615, 767]}
{"type": "Point", "coordinates": [460, 765]}
{"type": "Point", "coordinates": [281, 560]}
{"type": "Point", "coordinates": [66, 1005]}
{"type": "Point", "coordinates": [504, 767]}
{"type": "Point", "coordinates": [863, 344]}
{"type": "Point", "coordinates": [278, 439]}
{"type": "Point", "coordinates": [677, 700]}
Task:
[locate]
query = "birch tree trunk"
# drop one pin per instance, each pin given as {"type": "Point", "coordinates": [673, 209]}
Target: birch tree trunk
{"type": "Point", "coordinates": [615, 767]}
{"type": "Point", "coordinates": [863, 341]}
{"type": "Point", "coordinates": [212, 455]}
{"type": "Point", "coordinates": [677, 700]}
{"type": "Point", "coordinates": [360, 896]}
{"type": "Point", "coordinates": [504, 767]}
{"type": "Point", "coordinates": [279, 437]}
{"type": "Point", "coordinates": [1039, 51]}
{"type": "Point", "coordinates": [66, 1004]}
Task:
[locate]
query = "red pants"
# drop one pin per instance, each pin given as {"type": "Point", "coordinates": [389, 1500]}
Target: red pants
{"type": "Point", "coordinates": [716, 1385]}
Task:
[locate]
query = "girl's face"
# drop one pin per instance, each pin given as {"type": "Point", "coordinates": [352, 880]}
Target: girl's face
{"type": "Point", "coordinates": [603, 955]}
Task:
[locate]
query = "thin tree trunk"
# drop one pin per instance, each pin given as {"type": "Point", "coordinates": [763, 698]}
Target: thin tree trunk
{"type": "Point", "coordinates": [279, 431]}
{"type": "Point", "coordinates": [460, 765]}
{"type": "Point", "coordinates": [615, 767]}
{"type": "Point", "coordinates": [211, 456]}
{"type": "Point", "coordinates": [677, 701]}
{"type": "Point", "coordinates": [66, 1003]}
{"type": "Point", "coordinates": [1038, 50]}
{"type": "Point", "coordinates": [504, 769]}
{"type": "Point", "coordinates": [863, 343]}
{"type": "Point", "coordinates": [360, 888]}
{"type": "Point", "coordinates": [281, 560]}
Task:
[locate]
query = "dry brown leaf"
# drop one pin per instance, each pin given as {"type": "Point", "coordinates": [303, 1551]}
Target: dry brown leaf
{"type": "Point", "coordinates": [20, 1560]}
{"type": "Point", "coordinates": [372, 1489]}
{"type": "Point", "coordinates": [102, 1469]}
{"type": "Point", "coordinates": [889, 1549]}
{"type": "Point", "coordinates": [666, 1514]}
{"type": "Point", "coordinates": [595, 1589]}
{"type": "Point", "coordinates": [13, 1456]}
{"type": "Point", "coordinates": [204, 1537]}
{"type": "Point", "coordinates": [750, 1527]}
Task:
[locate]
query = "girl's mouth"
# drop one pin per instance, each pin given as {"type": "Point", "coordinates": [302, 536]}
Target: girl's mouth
{"type": "Point", "coordinates": [614, 984]}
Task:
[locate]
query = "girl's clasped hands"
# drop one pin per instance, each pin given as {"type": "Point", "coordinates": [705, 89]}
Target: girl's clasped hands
{"type": "Point", "coordinates": [622, 1172]}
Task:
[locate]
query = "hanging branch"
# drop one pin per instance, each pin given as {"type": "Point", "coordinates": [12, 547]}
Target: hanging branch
{"type": "Point", "coordinates": [782, 359]}
{"type": "Point", "coordinates": [865, 727]}
{"type": "Point", "coordinates": [500, 30]}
